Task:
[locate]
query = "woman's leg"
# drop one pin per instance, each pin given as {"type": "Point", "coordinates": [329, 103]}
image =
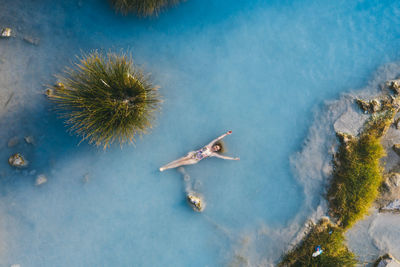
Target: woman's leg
{"type": "Point", "coordinates": [187, 160]}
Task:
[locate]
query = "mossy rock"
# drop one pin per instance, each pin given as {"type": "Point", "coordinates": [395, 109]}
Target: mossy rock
{"type": "Point", "coordinates": [17, 160]}
{"type": "Point", "coordinates": [6, 32]}
{"type": "Point", "coordinates": [196, 202]}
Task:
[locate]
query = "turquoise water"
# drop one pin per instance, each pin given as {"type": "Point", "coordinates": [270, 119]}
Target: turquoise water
{"type": "Point", "coordinates": [258, 68]}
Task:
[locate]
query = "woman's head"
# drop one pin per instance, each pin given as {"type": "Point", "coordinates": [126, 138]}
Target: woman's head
{"type": "Point", "coordinates": [218, 147]}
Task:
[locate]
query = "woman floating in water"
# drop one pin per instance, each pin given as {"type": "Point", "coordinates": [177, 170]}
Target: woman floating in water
{"type": "Point", "coordinates": [210, 150]}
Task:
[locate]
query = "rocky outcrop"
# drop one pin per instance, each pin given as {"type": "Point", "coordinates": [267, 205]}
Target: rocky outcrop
{"type": "Point", "coordinates": [371, 106]}
{"type": "Point", "coordinates": [387, 260]}
{"type": "Point", "coordinates": [394, 85]}
{"type": "Point", "coordinates": [17, 160]}
{"type": "Point", "coordinates": [393, 206]}
{"type": "Point", "coordinates": [344, 137]}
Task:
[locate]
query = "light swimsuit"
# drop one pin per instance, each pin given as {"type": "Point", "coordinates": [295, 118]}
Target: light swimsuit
{"type": "Point", "coordinates": [201, 153]}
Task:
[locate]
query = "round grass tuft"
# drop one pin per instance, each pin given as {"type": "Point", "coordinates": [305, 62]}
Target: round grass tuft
{"type": "Point", "coordinates": [143, 8]}
{"type": "Point", "coordinates": [106, 98]}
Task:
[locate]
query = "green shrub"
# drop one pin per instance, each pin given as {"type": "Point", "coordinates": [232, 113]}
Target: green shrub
{"type": "Point", "coordinates": [105, 98]}
{"type": "Point", "coordinates": [331, 240]}
{"type": "Point", "coordinates": [357, 174]}
{"type": "Point", "coordinates": [143, 8]}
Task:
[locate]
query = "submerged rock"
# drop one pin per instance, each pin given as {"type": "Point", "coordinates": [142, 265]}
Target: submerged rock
{"type": "Point", "coordinates": [6, 32]}
{"type": "Point", "coordinates": [17, 160]}
{"type": "Point", "coordinates": [13, 141]}
{"type": "Point", "coordinates": [40, 179]}
{"type": "Point", "coordinates": [196, 202]}
{"type": "Point", "coordinates": [387, 260]}
{"type": "Point", "coordinates": [31, 40]}
{"type": "Point", "coordinates": [86, 178]}
{"type": "Point", "coordinates": [29, 140]}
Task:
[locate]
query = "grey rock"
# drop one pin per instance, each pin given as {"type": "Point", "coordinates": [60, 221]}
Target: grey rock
{"type": "Point", "coordinates": [31, 40]}
{"type": "Point", "coordinates": [393, 206]}
{"type": "Point", "coordinates": [371, 106]}
{"type": "Point", "coordinates": [17, 160]}
{"type": "Point", "coordinates": [387, 260]}
{"type": "Point", "coordinates": [351, 122]}
{"type": "Point", "coordinates": [29, 139]}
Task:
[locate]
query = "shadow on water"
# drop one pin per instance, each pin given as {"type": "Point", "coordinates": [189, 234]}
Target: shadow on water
{"type": "Point", "coordinates": [41, 138]}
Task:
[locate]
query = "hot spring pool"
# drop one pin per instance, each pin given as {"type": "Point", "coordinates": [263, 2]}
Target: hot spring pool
{"type": "Point", "coordinates": [258, 68]}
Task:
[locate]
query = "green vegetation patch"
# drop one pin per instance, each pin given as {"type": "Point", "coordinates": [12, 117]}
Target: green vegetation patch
{"type": "Point", "coordinates": [143, 8]}
{"type": "Point", "coordinates": [355, 184]}
{"type": "Point", "coordinates": [357, 174]}
{"type": "Point", "coordinates": [105, 98]}
{"type": "Point", "coordinates": [331, 240]}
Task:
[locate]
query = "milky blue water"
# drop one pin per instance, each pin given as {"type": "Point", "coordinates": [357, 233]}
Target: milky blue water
{"type": "Point", "coordinates": [258, 68]}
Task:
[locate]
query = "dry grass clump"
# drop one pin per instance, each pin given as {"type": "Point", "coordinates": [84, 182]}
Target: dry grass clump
{"type": "Point", "coordinates": [105, 98]}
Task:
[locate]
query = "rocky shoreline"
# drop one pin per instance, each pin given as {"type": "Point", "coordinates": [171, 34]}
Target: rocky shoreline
{"type": "Point", "coordinates": [348, 121]}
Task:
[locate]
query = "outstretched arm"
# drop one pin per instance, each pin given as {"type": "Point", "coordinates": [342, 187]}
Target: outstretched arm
{"type": "Point", "coordinates": [219, 138]}
{"type": "Point", "coordinates": [224, 157]}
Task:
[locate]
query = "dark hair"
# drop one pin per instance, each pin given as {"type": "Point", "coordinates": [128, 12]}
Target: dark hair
{"type": "Point", "coordinates": [221, 147]}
